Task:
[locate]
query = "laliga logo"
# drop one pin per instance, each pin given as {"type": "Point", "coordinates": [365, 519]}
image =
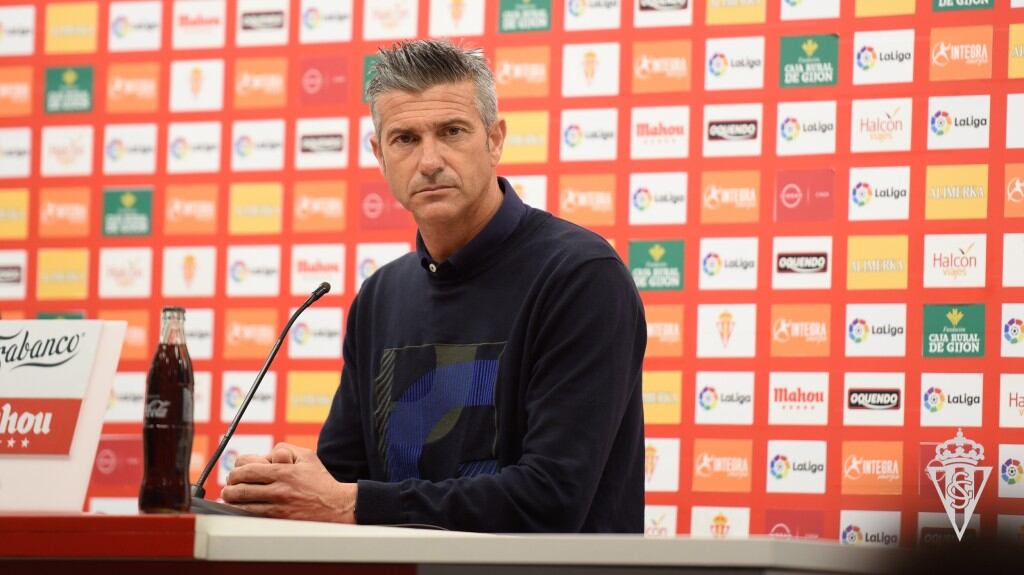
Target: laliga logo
{"type": "Point", "coordinates": [790, 129]}
{"type": "Point", "coordinates": [179, 148]}
{"type": "Point", "coordinates": [233, 396]}
{"type": "Point", "coordinates": [301, 334]}
{"type": "Point", "coordinates": [311, 18]}
{"type": "Point", "coordinates": [120, 27]}
{"type": "Point", "coordinates": [573, 135]}
{"type": "Point", "coordinates": [708, 398]}
{"type": "Point", "coordinates": [712, 264]}
{"type": "Point", "coordinates": [718, 64]}
{"type": "Point", "coordinates": [642, 199]}
{"type": "Point", "coordinates": [794, 3]}
{"type": "Point", "coordinates": [866, 58]}
{"type": "Point", "coordinates": [852, 535]}
{"type": "Point", "coordinates": [577, 7]}
{"type": "Point", "coordinates": [239, 271]}
{"type": "Point", "coordinates": [1012, 330]}
{"type": "Point", "coordinates": [862, 194]}
{"type": "Point", "coordinates": [227, 461]}
{"type": "Point", "coordinates": [1012, 471]}
{"type": "Point", "coordinates": [115, 150]}
{"type": "Point", "coordinates": [941, 123]}
{"type": "Point", "coordinates": [367, 267]}
{"type": "Point", "coordinates": [243, 146]}
{"type": "Point", "coordinates": [958, 479]}
{"type": "Point", "coordinates": [367, 146]}
{"type": "Point", "coordinates": [858, 330]}
{"type": "Point", "coordinates": [779, 466]}
{"type": "Point", "coordinates": [934, 399]}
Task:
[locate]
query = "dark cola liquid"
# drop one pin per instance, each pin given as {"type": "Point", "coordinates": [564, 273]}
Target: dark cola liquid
{"type": "Point", "coordinates": [167, 432]}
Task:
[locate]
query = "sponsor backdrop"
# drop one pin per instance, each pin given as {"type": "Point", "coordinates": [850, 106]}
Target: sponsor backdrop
{"type": "Point", "coordinates": [819, 200]}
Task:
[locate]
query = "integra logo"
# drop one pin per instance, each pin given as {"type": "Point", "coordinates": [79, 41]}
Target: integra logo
{"type": "Point", "coordinates": [878, 399]}
{"type": "Point", "coordinates": [732, 130]}
{"type": "Point", "coordinates": [21, 350]}
{"type": "Point", "coordinates": [807, 263]}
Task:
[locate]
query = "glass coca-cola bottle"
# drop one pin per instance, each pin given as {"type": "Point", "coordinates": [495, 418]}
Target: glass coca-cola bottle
{"type": "Point", "coordinates": [167, 424]}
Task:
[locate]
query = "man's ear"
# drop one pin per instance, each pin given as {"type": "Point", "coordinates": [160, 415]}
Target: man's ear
{"type": "Point", "coordinates": [496, 140]}
{"type": "Point", "coordinates": [378, 152]}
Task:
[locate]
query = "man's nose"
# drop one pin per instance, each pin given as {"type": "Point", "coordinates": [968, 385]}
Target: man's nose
{"type": "Point", "coordinates": [430, 158]}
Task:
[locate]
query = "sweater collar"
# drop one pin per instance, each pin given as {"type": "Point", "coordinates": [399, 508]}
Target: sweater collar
{"type": "Point", "coordinates": [497, 230]}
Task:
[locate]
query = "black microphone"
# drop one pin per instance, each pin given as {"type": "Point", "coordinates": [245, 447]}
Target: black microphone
{"type": "Point", "coordinates": [200, 505]}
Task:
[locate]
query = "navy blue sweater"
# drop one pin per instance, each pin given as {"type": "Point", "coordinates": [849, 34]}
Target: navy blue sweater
{"type": "Point", "coordinates": [498, 392]}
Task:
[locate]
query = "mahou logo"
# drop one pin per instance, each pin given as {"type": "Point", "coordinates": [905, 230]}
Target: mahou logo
{"type": "Point", "coordinates": [37, 426]}
{"type": "Point", "coordinates": [21, 350]}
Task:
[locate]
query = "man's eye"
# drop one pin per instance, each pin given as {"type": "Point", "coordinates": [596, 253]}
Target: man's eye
{"type": "Point", "coordinates": [453, 130]}
{"type": "Point", "coordinates": [403, 139]}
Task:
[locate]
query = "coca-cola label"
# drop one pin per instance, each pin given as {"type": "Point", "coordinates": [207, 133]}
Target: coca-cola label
{"type": "Point", "coordinates": [156, 408]}
{"type": "Point", "coordinates": [37, 426]}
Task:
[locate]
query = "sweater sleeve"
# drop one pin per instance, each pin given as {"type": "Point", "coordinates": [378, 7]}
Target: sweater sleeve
{"type": "Point", "coordinates": [340, 446]}
{"type": "Point", "coordinates": [586, 357]}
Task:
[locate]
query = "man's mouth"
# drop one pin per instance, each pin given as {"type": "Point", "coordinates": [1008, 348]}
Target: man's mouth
{"type": "Point", "coordinates": [432, 189]}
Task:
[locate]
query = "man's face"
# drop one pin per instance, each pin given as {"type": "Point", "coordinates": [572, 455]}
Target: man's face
{"type": "Point", "coordinates": [438, 157]}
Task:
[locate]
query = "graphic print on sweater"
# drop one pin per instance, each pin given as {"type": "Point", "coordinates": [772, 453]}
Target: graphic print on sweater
{"type": "Point", "coordinates": [434, 410]}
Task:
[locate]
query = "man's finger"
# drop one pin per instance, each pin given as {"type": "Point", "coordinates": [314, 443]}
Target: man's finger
{"type": "Point", "coordinates": [249, 458]}
{"type": "Point", "coordinates": [253, 473]}
{"type": "Point", "coordinates": [247, 493]}
{"type": "Point", "coordinates": [282, 454]}
{"type": "Point", "coordinates": [296, 453]}
{"type": "Point", "coordinates": [263, 509]}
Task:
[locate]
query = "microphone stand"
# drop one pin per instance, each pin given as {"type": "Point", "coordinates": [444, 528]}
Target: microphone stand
{"type": "Point", "coordinates": [199, 503]}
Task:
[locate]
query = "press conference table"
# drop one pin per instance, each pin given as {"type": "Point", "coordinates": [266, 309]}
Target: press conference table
{"type": "Point", "coordinates": [87, 543]}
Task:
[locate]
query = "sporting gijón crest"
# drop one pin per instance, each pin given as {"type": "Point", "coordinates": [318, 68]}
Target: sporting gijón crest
{"type": "Point", "coordinates": [958, 478]}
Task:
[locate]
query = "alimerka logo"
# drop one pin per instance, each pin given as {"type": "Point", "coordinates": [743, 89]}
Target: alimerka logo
{"type": "Point", "coordinates": [22, 350]}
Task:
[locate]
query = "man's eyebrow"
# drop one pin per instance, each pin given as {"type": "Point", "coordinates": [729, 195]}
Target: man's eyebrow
{"type": "Point", "coordinates": [397, 130]}
{"type": "Point", "coordinates": [450, 121]}
{"type": "Point", "coordinates": [400, 129]}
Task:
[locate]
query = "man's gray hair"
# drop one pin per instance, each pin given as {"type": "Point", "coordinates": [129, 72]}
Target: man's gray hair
{"type": "Point", "coordinates": [419, 65]}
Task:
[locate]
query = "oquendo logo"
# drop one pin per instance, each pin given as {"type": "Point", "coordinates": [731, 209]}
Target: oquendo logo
{"type": "Point", "coordinates": [22, 350]}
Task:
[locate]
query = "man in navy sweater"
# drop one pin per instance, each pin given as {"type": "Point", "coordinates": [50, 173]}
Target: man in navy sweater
{"type": "Point", "coordinates": [492, 378]}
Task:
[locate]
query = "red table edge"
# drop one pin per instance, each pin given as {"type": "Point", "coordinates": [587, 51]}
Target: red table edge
{"type": "Point", "coordinates": [24, 535]}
